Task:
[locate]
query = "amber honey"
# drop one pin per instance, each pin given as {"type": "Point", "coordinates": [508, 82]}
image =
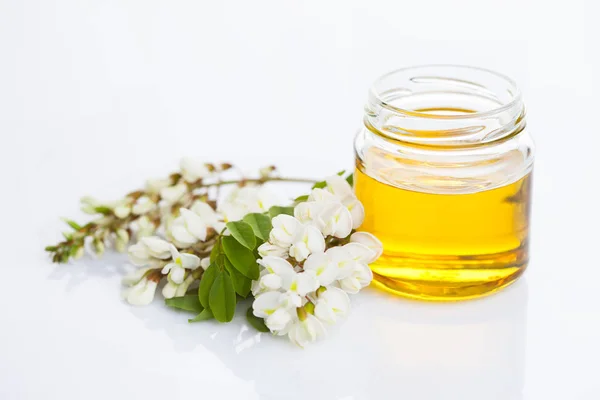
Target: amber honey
{"type": "Point", "coordinates": [447, 246]}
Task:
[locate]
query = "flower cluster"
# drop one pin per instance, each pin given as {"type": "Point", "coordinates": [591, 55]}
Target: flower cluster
{"type": "Point", "coordinates": [206, 250]}
{"type": "Point", "coordinates": [312, 261]}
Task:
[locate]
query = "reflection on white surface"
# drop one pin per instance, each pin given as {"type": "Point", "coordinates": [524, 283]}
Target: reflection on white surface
{"type": "Point", "coordinates": [388, 348]}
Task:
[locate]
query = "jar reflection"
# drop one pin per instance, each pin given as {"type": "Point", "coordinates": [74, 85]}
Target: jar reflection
{"type": "Point", "coordinates": [464, 351]}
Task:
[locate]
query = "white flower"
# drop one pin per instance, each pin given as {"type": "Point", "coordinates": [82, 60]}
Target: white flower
{"type": "Point", "coordinates": [305, 329]}
{"type": "Point", "coordinates": [192, 225]}
{"type": "Point", "coordinates": [332, 304]}
{"type": "Point", "coordinates": [154, 186]}
{"type": "Point", "coordinates": [326, 271]}
{"type": "Point", "coordinates": [142, 288]}
{"type": "Point", "coordinates": [270, 306]}
{"type": "Point", "coordinates": [332, 218]}
{"type": "Point", "coordinates": [181, 262]}
{"type": "Point", "coordinates": [173, 194]}
{"type": "Point", "coordinates": [142, 293]}
{"type": "Point", "coordinates": [285, 229]}
{"type": "Point", "coordinates": [359, 277]}
{"type": "Point", "coordinates": [121, 240]}
{"type": "Point", "coordinates": [344, 259]}
{"type": "Point", "coordinates": [266, 282]}
{"type": "Point", "coordinates": [122, 208]}
{"type": "Point", "coordinates": [335, 220]}
{"type": "Point", "coordinates": [308, 240]}
{"type": "Point", "coordinates": [307, 212]}
{"type": "Point", "coordinates": [245, 200]}
{"type": "Point", "coordinates": [267, 249]}
{"type": "Point", "coordinates": [193, 169]}
{"type": "Point", "coordinates": [144, 227]}
{"type": "Point", "coordinates": [187, 229]}
{"type": "Point", "coordinates": [205, 263]}
{"type": "Point", "coordinates": [149, 250]}
{"type": "Point", "coordinates": [143, 205]}
{"type": "Point", "coordinates": [280, 321]}
{"type": "Point", "coordinates": [340, 190]}
{"type": "Point", "coordinates": [172, 289]}
{"type": "Point", "coordinates": [370, 241]}
{"type": "Point", "coordinates": [209, 216]}
{"type": "Point", "coordinates": [136, 276]}
{"type": "Point", "coordinates": [279, 274]}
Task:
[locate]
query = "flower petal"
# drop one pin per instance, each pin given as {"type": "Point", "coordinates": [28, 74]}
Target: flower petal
{"type": "Point", "coordinates": [139, 254]}
{"type": "Point", "coordinates": [357, 211]}
{"type": "Point", "coordinates": [167, 268]}
{"type": "Point", "coordinates": [267, 249]}
{"type": "Point", "coordinates": [308, 211]}
{"type": "Point", "coordinates": [325, 270]}
{"type": "Point", "coordinates": [194, 224]}
{"type": "Point", "coordinates": [181, 234]}
{"type": "Point", "coordinates": [279, 320]}
{"type": "Point", "coordinates": [359, 252]}
{"type": "Point", "coordinates": [142, 293]}
{"type": "Point", "coordinates": [205, 263]}
{"type": "Point", "coordinates": [335, 220]}
{"type": "Point", "coordinates": [193, 169]}
{"type": "Point", "coordinates": [135, 276]}
{"type": "Point", "coordinates": [271, 281]}
{"type": "Point", "coordinates": [177, 274]}
{"type": "Point", "coordinates": [173, 194]}
{"type": "Point", "coordinates": [370, 241]}
{"type": "Point", "coordinates": [181, 289]}
{"type": "Point", "coordinates": [306, 282]}
{"type": "Point", "coordinates": [169, 290]}
{"type": "Point", "coordinates": [332, 304]}
{"type": "Point", "coordinates": [157, 247]}
{"type": "Point", "coordinates": [266, 304]}
{"type": "Point", "coordinates": [339, 187]}
{"type": "Point", "coordinates": [321, 195]}
{"type": "Point", "coordinates": [189, 261]}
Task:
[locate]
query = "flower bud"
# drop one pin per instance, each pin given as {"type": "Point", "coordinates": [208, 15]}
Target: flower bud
{"type": "Point", "coordinates": [98, 247]}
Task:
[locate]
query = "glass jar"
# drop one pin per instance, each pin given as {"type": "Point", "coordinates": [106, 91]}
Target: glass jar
{"type": "Point", "coordinates": [443, 169]}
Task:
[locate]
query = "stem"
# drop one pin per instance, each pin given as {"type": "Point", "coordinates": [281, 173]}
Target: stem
{"type": "Point", "coordinates": [258, 180]}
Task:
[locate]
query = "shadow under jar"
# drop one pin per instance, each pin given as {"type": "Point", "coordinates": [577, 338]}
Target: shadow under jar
{"type": "Point", "coordinates": [443, 169]}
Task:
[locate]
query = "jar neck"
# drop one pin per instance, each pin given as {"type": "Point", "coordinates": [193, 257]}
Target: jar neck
{"type": "Point", "coordinates": [445, 106]}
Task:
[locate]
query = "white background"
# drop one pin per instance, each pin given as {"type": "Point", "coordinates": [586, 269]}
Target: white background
{"type": "Point", "coordinates": [96, 96]}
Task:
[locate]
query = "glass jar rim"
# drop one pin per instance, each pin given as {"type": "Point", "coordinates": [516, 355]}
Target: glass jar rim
{"type": "Point", "coordinates": [513, 90]}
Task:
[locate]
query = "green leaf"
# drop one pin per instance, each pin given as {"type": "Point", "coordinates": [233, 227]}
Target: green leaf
{"type": "Point", "coordinates": [276, 210]}
{"type": "Point", "coordinates": [260, 223]}
{"type": "Point", "coordinates": [51, 248]}
{"type": "Point", "coordinates": [241, 284]}
{"type": "Point", "coordinates": [242, 259]}
{"type": "Point", "coordinates": [222, 298]}
{"type": "Point", "coordinates": [203, 316]}
{"type": "Point", "coordinates": [72, 224]}
{"type": "Point", "coordinates": [243, 233]}
{"type": "Point", "coordinates": [257, 323]}
{"type": "Point", "coordinates": [67, 235]}
{"type": "Point", "coordinates": [319, 185]}
{"type": "Point", "coordinates": [103, 210]}
{"type": "Point", "coordinates": [187, 303]}
{"type": "Point", "coordinates": [342, 172]}
{"type": "Point", "coordinates": [350, 179]}
{"type": "Point", "coordinates": [301, 199]}
{"type": "Point", "coordinates": [206, 283]}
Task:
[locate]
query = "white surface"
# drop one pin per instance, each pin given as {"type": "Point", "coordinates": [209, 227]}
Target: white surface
{"type": "Point", "coordinates": [97, 96]}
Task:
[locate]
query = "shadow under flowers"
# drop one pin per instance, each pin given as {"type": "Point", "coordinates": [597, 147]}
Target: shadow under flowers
{"type": "Point", "coordinates": [388, 348]}
{"type": "Point", "coordinates": [111, 266]}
